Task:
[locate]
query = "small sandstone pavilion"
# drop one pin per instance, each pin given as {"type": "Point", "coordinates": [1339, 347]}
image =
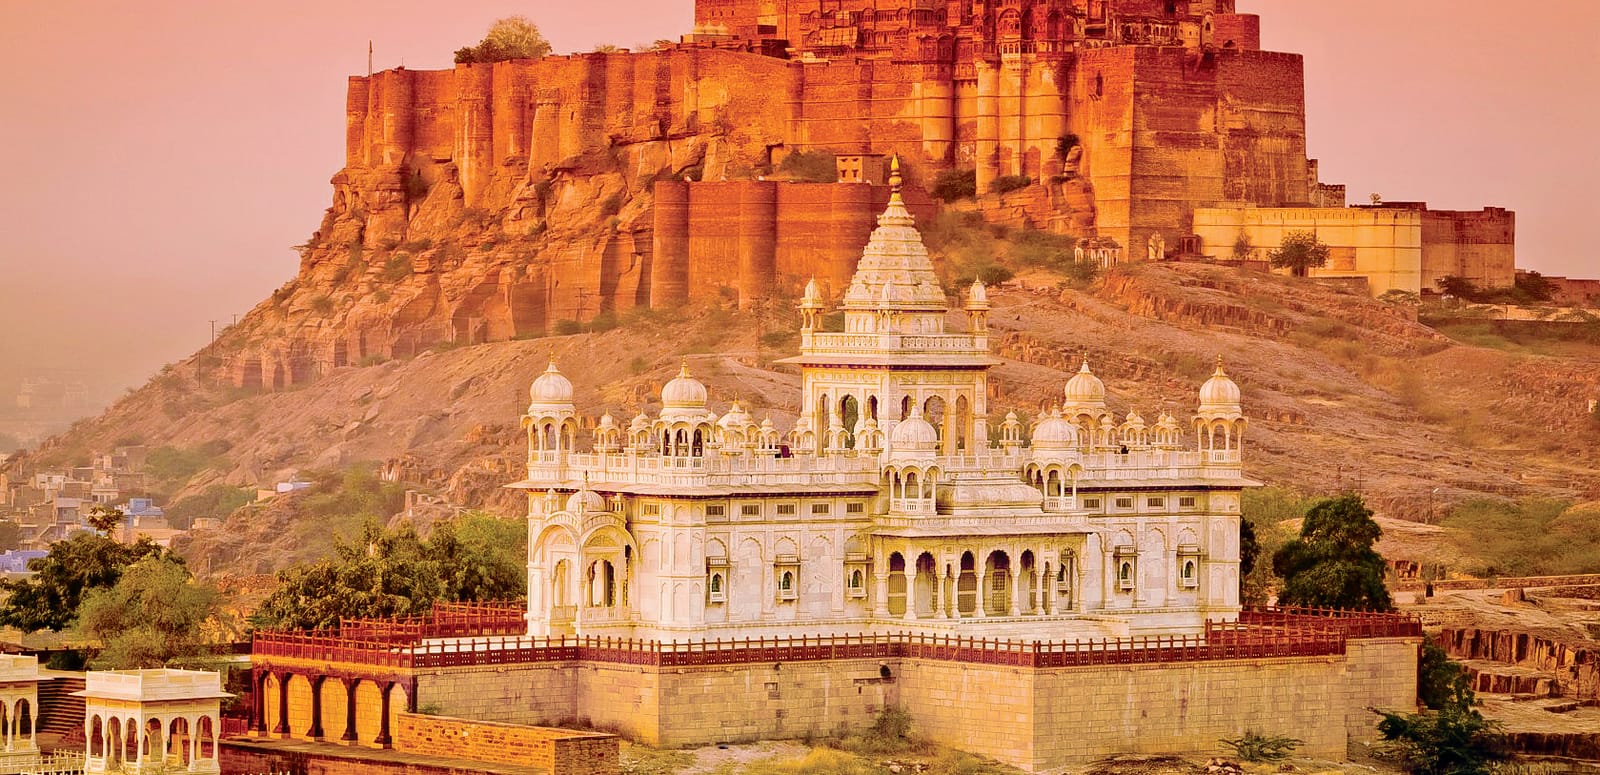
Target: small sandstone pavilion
{"type": "Point", "coordinates": [1044, 595]}
{"type": "Point", "coordinates": [144, 721]}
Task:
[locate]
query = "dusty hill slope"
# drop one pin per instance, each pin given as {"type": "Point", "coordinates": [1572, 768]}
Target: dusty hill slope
{"type": "Point", "coordinates": [1342, 392]}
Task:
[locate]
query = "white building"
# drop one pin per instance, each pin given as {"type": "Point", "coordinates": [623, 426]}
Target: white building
{"type": "Point", "coordinates": [895, 504]}
{"type": "Point", "coordinates": [152, 721]}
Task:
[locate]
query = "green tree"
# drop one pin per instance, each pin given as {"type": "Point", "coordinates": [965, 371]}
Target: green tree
{"type": "Point", "coordinates": [1452, 739]}
{"type": "Point", "coordinates": [397, 573]}
{"type": "Point", "coordinates": [1249, 550]}
{"type": "Point", "coordinates": [514, 37]}
{"type": "Point", "coordinates": [155, 614]}
{"type": "Point", "coordinates": [950, 185]}
{"type": "Point", "coordinates": [1332, 564]}
{"type": "Point", "coordinates": [1243, 248]}
{"type": "Point", "coordinates": [73, 568]}
{"type": "Point", "coordinates": [1459, 287]}
{"type": "Point", "coordinates": [1532, 286]}
{"type": "Point", "coordinates": [1299, 252]}
{"type": "Point", "coordinates": [104, 518]}
{"type": "Point", "coordinates": [1440, 680]}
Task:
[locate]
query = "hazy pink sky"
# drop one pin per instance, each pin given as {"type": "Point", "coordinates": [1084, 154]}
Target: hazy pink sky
{"type": "Point", "coordinates": [163, 156]}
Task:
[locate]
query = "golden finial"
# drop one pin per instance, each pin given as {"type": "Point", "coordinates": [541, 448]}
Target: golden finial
{"type": "Point", "coordinates": [1220, 372]}
{"type": "Point", "coordinates": [895, 180]}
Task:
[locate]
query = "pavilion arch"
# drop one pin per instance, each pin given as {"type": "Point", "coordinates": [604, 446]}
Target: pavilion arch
{"type": "Point", "coordinates": [897, 584]}
{"type": "Point", "coordinates": [849, 416]}
{"type": "Point", "coordinates": [178, 739]}
{"type": "Point", "coordinates": [967, 585]}
{"type": "Point", "coordinates": [998, 594]}
{"type": "Point", "coordinates": [95, 739]}
{"type": "Point", "coordinates": [206, 731]}
{"type": "Point", "coordinates": [962, 426]}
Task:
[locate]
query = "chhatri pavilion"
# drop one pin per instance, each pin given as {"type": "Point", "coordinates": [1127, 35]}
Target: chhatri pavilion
{"type": "Point", "coordinates": [895, 503]}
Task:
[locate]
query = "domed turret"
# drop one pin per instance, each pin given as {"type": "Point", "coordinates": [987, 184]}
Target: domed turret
{"type": "Point", "coordinates": [914, 436]}
{"type": "Point", "coordinates": [551, 389]}
{"type": "Point", "coordinates": [586, 501]}
{"type": "Point", "coordinates": [1085, 390]}
{"type": "Point", "coordinates": [1219, 394]}
{"type": "Point", "coordinates": [1055, 434]}
{"type": "Point", "coordinates": [736, 419]}
{"type": "Point", "coordinates": [683, 395]}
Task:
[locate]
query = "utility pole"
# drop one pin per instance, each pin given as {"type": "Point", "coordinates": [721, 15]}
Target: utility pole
{"type": "Point", "coordinates": [213, 332]}
{"type": "Point", "coordinates": [369, 57]}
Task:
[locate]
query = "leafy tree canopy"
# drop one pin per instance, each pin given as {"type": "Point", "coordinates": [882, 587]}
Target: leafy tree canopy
{"type": "Point", "coordinates": [155, 614]}
{"type": "Point", "coordinates": [1452, 738]}
{"type": "Point", "coordinates": [1333, 564]}
{"type": "Point", "coordinates": [73, 568]}
{"type": "Point", "coordinates": [1299, 252]}
{"type": "Point", "coordinates": [396, 573]}
{"type": "Point", "coordinates": [514, 37]}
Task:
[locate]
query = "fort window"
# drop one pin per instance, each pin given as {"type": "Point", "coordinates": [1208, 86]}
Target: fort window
{"type": "Point", "coordinates": [650, 509]}
{"type": "Point", "coordinates": [1124, 503]}
{"type": "Point", "coordinates": [1155, 503]}
{"type": "Point", "coordinates": [821, 509]}
{"type": "Point", "coordinates": [750, 510]}
{"type": "Point", "coordinates": [716, 510]}
{"type": "Point", "coordinates": [786, 509]}
{"type": "Point", "coordinates": [786, 585]}
{"type": "Point", "coordinates": [856, 584]}
{"type": "Point", "coordinates": [716, 593]}
{"type": "Point", "coordinates": [1091, 503]}
{"type": "Point", "coordinates": [1125, 575]}
{"type": "Point", "coordinates": [855, 507]}
{"type": "Point", "coordinates": [1187, 577]}
{"type": "Point", "coordinates": [1186, 502]}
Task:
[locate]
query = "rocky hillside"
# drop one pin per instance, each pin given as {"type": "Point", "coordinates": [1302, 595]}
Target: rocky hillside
{"type": "Point", "coordinates": [1342, 392]}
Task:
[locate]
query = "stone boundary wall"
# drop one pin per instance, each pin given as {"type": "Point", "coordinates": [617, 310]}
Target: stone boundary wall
{"type": "Point", "coordinates": [560, 751]}
{"type": "Point", "coordinates": [1039, 719]}
{"type": "Point", "coordinates": [241, 756]}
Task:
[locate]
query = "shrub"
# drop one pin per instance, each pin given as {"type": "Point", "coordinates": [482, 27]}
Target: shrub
{"type": "Point", "coordinates": [1005, 184]}
{"type": "Point", "coordinates": [950, 185]}
{"type": "Point", "coordinates": [397, 268]}
{"type": "Point", "coordinates": [322, 305]}
{"type": "Point", "coordinates": [567, 327]}
{"type": "Point", "coordinates": [1254, 747]}
{"type": "Point", "coordinates": [1065, 144]}
{"type": "Point", "coordinates": [811, 167]}
{"type": "Point", "coordinates": [994, 274]}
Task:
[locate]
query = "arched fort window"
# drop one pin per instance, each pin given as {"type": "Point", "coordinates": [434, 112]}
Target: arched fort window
{"type": "Point", "coordinates": [1125, 575]}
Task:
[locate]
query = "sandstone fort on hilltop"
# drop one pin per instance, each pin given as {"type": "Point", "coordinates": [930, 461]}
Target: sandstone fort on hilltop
{"type": "Point", "coordinates": [493, 201]}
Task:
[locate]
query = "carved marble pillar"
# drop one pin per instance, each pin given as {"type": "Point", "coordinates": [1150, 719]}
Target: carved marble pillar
{"type": "Point", "coordinates": [1016, 590]}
